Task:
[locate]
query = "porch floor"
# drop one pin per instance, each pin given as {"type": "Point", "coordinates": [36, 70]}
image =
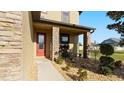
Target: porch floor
{"type": "Point", "coordinates": [47, 72]}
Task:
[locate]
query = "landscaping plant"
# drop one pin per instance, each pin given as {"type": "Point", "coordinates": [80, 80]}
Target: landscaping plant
{"type": "Point", "coordinates": [67, 67]}
{"type": "Point", "coordinates": [106, 61]}
{"type": "Point", "coordinates": [59, 60]}
{"type": "Point", "coordinates": [106, 70]}
{"type": "Point", "coordinates": [80, 70]}
{"type": "Point", "coordinates": [83, 76]}
{"type": "Point", "coordinates": [118, 64]}
{"type": "Point", "coordinates": [106, 49]}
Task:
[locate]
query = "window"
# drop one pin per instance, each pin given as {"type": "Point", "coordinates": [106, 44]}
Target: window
{"type": "Point", "coordinates": [43, 11]}
{"type": "Point", "coordinates": [41, 41]}
{"type": "Point", "coordinates": [65, 16]}
{"type": "Point", "coordinates": [64, 38]}
{"type": "Point", "coordinates": [43, 14]}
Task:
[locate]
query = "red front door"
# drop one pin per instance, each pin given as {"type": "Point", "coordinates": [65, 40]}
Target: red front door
{"type": "Point", "coordinates": [40, 44]}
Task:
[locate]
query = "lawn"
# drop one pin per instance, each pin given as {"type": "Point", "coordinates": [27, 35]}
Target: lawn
{"type": "Point", "coordinates": [117, 55]}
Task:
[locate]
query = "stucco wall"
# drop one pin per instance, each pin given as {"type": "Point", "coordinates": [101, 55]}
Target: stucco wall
{"type": "Point", "coordinates": [74, 17]}
{"type": "Point", "coordinates": [11, 62]}
{"type": "Point", "coordinates": [56, 15]}
{"type": "Point", "coordinates": [30, 66]}
{"type": "Point", "coordinates": [53, 15]}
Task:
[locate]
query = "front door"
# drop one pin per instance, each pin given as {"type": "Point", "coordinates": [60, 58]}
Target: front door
{"type": "Point", "coordinates": [40, 44]}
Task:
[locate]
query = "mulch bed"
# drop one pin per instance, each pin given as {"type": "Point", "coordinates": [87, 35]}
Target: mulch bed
{"type": "Point", "coordinates": [91, 66]}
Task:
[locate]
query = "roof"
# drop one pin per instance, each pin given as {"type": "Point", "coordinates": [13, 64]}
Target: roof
{"type": "Point", "coordinates": [48, 21]}
{"type": "Point", "coordinates": [112, 41]}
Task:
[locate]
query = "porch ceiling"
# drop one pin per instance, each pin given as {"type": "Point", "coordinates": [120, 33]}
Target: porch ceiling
{"type": "Point", "coordinates": [64, 27]}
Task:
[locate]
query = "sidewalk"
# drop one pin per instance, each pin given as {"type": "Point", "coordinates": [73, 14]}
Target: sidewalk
{"type": "Point", "coordinates": [47, 72]}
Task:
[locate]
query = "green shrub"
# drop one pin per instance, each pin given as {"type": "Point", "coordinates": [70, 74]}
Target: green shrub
{"type": "Point", "coordinates": [106, 70]}
{"type": "Point", "coordinates": [118, 63]}
{"type": "Point", "coordinates": [83, 75]}
{"type": "Point", "coordinates": [106, 49]}
{"type": "Point", "coordinates": [107, 61]}
{"type": "Point", "coordinates": [64, 51]}
{"type": "Point", "coordinates": [59, 60]}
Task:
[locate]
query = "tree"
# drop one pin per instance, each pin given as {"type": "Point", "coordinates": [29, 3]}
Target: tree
{"type": "Point", "coordinates": [122, 40]}
{"type": "Point", "coordinates": [118, 17]}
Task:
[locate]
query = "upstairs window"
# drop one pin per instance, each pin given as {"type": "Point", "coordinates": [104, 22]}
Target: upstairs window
{"type": "Point", "coordinates": [43, 14]}
{"type": "Point", "coordinates": [65, 16]}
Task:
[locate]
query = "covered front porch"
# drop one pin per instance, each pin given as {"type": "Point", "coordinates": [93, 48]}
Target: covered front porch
{"type": "Point", "coordinates": [56, 34]}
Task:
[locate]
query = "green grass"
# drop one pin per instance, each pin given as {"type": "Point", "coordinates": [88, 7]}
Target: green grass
{"type": "Point", "coordinates": [116, 55]}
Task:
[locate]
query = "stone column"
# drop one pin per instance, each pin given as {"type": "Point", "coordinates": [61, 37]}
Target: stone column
{"type": "Point", "coordinates": [55, 42]}
{"type": "Point", "coordinates": [76, 44]}
{"type": "Point", "coordinates": [11, 63]}
{"type": "Point", "coordinates": [85, 46]}
{"type": "Point", "coordinates": [89, 38]}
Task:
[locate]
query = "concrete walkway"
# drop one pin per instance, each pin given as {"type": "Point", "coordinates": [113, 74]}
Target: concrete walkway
{"type": "Point", "coordinates": [47, 72]}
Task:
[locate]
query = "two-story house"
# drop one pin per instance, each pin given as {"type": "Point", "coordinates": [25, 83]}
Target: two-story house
{"type": "Point", "coordinates": [55, 29]}
{"type": "Point", "coordinates": [27, 36]}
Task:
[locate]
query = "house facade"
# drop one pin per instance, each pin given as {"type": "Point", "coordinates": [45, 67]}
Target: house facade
{"type": "Point", "coordinates": [26, 37]}
{"type": "Point", "coordinates": [115, 42]}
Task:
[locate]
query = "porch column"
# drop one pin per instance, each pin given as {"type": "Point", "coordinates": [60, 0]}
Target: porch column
{"type": "Point", "coordinates": [55, 41]}
{"type": "Point", "coordinates": [85, 46]}
{"type": "Point", "coordinates": [76, 44]}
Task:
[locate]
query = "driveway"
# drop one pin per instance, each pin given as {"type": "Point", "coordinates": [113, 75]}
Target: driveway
{"type": "Point", "coordinates": [47, 72]}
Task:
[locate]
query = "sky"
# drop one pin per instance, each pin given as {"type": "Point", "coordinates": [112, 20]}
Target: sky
{"type": "Point", "coordinates": [98, 20]}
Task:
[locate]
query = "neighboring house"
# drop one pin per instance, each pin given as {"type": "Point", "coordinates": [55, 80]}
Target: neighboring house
{"type": "Point", "coordinates": [27, 36]}
{"type": "Point", "coordinates": [115, 43]}
{"type": "Point", "coordinates": [111, 41]}
{"type": "Point", "coordinates": [80, 47]}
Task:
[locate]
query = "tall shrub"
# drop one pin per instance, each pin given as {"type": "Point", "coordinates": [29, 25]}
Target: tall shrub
{"type": "Point", "coordinates": [106, 61]}
{"type": "Point", "coordinates": [106, 49]}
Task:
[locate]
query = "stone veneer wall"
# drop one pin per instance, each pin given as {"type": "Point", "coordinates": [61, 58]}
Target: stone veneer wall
{"type": "Point", "coordinates": [89, 38]}
{"type": "Point", "coordinates": [11, 45]}
{"type": "Point", "coordinates": [55, 42]}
